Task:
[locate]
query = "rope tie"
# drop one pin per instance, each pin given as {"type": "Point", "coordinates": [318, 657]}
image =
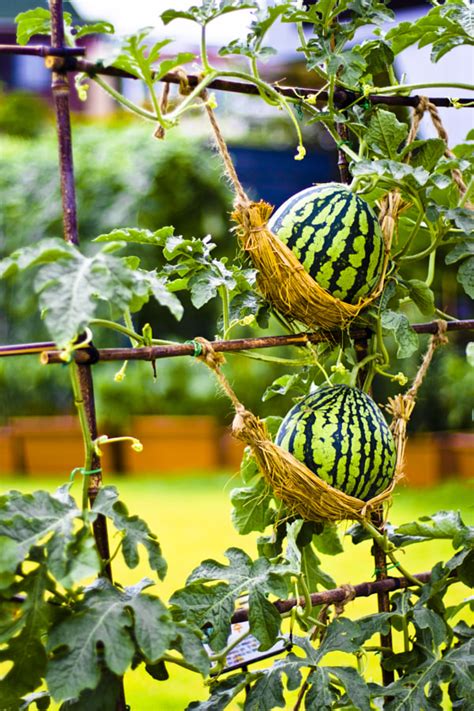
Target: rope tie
{"type": "Point", "coordinates": [401, 406]}
{"type": "Point", "coordinates": [423, 106]}
{"type": "Point", "coordinates": [349, 595]}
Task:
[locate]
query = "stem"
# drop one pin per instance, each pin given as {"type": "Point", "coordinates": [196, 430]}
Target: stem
{"type": "Point", "coordinates": [431, 268]}
{"type": "Point", "coordinates": [387, 548]}
{"type": "Point", "coordinates": [403, 88]}
{"type": "Point", "coordinates": [304, 47]}
{"type": "Point", "coordinates": [274, 359]}
{"type": "Point", "coordinates": [127, 317]}
{"type": "Point", "coordinates": [118, 327]}
{"type": "Point", "coordinates": [177, 660]}
{"type": "Point", "coordinates": [134, 108]}
{"type": "Point", "coordinates": [221, 657]}
{"type": "Point", "coordinates": [204, 57]}
{"type": "Point", "coordinates": [411, 237]}
{"type": "Point", "coordinates": [224, 294]}
{"type": "Point", "coordinates": [195, 94]}
{"type": "Point", "coordinates": [86, 435]}
{"type": "Point", "coordinates": [464, 198]}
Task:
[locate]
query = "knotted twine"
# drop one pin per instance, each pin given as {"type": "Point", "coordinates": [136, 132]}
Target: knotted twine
{"type": "Point", "coordinates": [401, 406]}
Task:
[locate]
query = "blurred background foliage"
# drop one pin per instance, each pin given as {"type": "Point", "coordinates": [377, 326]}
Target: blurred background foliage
{"type": "Point", "coordinates": [125, 178]}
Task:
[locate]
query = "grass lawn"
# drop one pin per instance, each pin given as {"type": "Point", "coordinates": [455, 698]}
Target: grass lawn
{"type": "Point", "coordinates": [191, 516]}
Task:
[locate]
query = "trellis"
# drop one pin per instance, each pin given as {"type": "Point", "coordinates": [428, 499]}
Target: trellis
{"type": "Point", "coordinates": [61, 60]}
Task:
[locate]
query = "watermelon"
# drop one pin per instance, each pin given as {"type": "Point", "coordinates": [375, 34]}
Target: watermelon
{"type": "Point", "coordinates": [336, 237]}
{"type": "Point", "coordinates": [340, 434]}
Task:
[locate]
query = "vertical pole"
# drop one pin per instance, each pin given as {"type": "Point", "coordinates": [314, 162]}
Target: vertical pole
{"type": "Point", "coordinates": [60, 90]}
{"type": "Point", "coordinates": [380, 559]}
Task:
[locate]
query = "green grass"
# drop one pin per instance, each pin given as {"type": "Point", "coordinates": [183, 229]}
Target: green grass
{"type": "Point", "coordinates": [192, 518]}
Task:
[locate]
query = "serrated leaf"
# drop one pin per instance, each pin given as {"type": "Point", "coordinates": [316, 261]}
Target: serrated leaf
{"type": "Point", "coordinates": [460, 251]}
{"type": "Point", "coordinates": [103, 698]}
{"type": "Point", "coordinates": [206, 12]}
{"type": "Point", "coordinates": [100, 632]}
{"type": "Point", "coordinates": [267, 692]}
{"type": "Point", "coordinates": [102, 27]}
{"type": "Point", "coordinates": [321, 694]}
{"type": "Point", "coordinates": [354, 686]}
{"type": "Point", "coordinates": [421, 295]}
{"type": "Point", "coordinates": [264, 619]}
{"type": "Point", "coordinates": [222, 693]}
{"type": "Point", "coordinates": [328, 541]}
{"type": "Point", "coordinates": [44, 252]}
{"type": "Point", "coordinates": [252, 510]}
{"type": "Point", "coordinates": [425, 153]}
{"type": "Point", "coordinates": [314, 575]}
{"type": "Point", "coordinates": [137, 236]}
{"type": "Point", "coordinates": [443, 524]}
{"type": "Point", "coordinates": [208, 599]}
{"type": "Point", "coordinates": [466, 276]}
{"type": "Point", "coordinates": [386, 134]}
{"type": "Point", "coordinates": [405, 336]}
{"type": "Point", "coordinates": [134, 530]}
{"type": "Point", "coordinates": [190, 643]}
{"type": "Point", "coordinates": [26, 650]}
{"type": "Point", "coordinates": [100, 619]}
{"type": "Point", "coordinates": [50, 520]}
{"type": "Point", "coordinates": [32, 22]}
{"type": "Point", "coordinates": [161, 292]}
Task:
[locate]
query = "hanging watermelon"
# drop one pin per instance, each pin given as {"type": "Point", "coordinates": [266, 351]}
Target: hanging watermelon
{"type": "Point", "coordinates": [339, 433]}
{"type": "Point", "coordinates": [336, 237]}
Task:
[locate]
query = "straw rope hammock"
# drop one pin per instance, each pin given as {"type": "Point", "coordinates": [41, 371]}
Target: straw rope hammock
{"type": "Point", "coordinates": [300, 489]}
{"type": "Point", "coordinates": [281, 278]}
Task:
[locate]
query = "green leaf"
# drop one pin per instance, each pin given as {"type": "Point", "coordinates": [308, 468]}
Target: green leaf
{"type": "Point", "coordinates": [443, 524]}
{"type": "Point", "coordinates": [222, 693]}
{"type": "Point", "coordinates": [97, 28]}
{"type": "Point", "coordinates": [206, 12]}
{"type": "Point", "coordinates": [206, 599]}
{"type": "Point", "coordinates": [354, 686]}
{"type": "Point", "coordinates": [137, 236]}
{"type": "Point", "coordinates": [103, 698]}
{"type": "Point", "coordinates": [44, 252]}
{"type": "Point", "coordinates": [134, 530]}
{"type": "Point", "coordinates": [26, 650]}
{"type": "Point", "coordinates": [460, 251]}
{"type": "Point", "coordinates": [466, 276]}
{"type": "Point", "coordinates": [314, 575]}
{"type": "Point", "coordinates": [252, 510]}
{"type": "Point", "coordinates": [425, 153]}
{"type": "Point", "coordinates": [267, 693]}
{"type": "Point", "coordinates": [32, 22]}
{"type": "Point", "coordinates": [328, 541]}
{"type": "Point", "coordinates": [321, 694]}
{"type": "Point", "coordinates": [405, 336]}
{"type": "Point", "coordinates": [386, 134]}
{"type": "Point", "coordinates": [31, 520]}
{"type": "Point", "coordinates": [421, 295]}
{"type": "Point", "coordinates": [160, 289]}
{"type": "Point", "coordinates": [42, 700]}
{"type": "Point", "coordinates": [99, 631]}
{"type": "Point", "coordinates": [190, 643]}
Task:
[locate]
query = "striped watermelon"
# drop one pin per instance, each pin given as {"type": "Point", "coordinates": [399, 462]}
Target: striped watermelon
{"type": "Point", "coordinates": [336, 237]}
{"type": "Point", "coordinates": [339, 433]}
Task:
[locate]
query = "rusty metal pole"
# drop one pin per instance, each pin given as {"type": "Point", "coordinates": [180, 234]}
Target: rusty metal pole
{"type": "Point", "coordinates": [60, 90]}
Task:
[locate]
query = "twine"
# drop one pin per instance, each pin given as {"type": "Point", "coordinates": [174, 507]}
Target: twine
{"type": "Point", "coordinates": [401, 406]}
{"type": "Point", "coordinates": [350, 594]}
{"type": "Point", "coordinates": [424, 104]}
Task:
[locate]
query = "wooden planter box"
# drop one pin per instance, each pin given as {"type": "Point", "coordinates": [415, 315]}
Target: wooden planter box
{"type": "Point", "coordinates": [457, 455]}
{"type": "Point", "coordinates": [172, 445]}
{"type": "Point", "coordinates": [232, 451]}
{"type": "Point", "coordinates": [422, 460]}
{"type": "Point", "coordinates": [8, 460]}
{"type": "Point", "coordinates": [51, 445]}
